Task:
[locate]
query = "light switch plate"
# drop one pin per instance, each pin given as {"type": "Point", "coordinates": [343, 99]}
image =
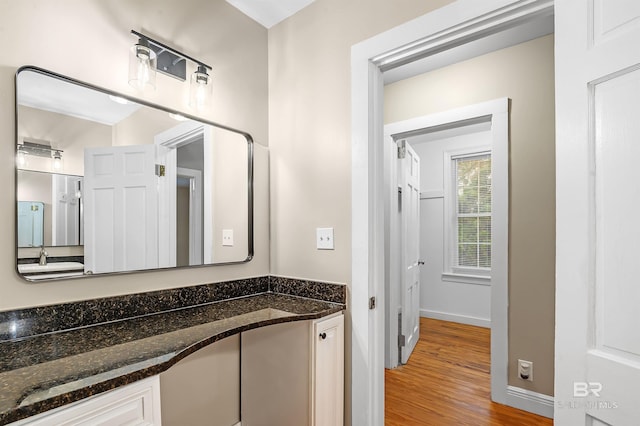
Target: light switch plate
{"type": "Point", "coordinates": [227, 237]}
{"type": "Point", "coordinates": [324, 238]}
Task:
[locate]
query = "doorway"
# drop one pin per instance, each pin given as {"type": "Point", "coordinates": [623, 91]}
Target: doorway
{"type": "Point", "coordinates": [450, 138]}
{"type": "Point", "coordinates": [189, 216]}
{"type": "Point", "coordinates": [187, 153]}
{"type": "Point", "coordinates": [190, 207]}
{"type": "Point", "coordinates": [451, 26]}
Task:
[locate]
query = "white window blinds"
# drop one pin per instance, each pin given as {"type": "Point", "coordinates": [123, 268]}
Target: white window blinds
{"type": "Point", "coordinates": [473, 211]}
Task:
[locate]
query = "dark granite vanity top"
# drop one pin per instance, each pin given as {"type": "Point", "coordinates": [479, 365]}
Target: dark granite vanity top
{"type": "Point", "coordinates": [51, 356]}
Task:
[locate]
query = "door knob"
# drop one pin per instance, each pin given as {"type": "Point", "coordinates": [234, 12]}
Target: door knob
{"type": "Point", "coordinates": [323, 336]}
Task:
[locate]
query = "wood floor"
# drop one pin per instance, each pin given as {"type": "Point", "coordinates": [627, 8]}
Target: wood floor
{"type": "Point", "coordinates": [447, 382]}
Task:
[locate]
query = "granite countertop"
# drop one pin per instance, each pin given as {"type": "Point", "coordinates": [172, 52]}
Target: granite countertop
{"type": "Point", "coordinates": [43, 371]}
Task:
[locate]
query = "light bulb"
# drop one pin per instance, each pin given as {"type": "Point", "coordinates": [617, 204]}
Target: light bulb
{"type": "Point", "coordinates": [200, 88]}
{"type": "Point", "coordinates": [201, 95]}
{"type": "Point", "coordinates": [57, 161]}
{"type": "Point", "coordinates": [142, 66]}
{"type": "Point", "coordinates": [143, 70]}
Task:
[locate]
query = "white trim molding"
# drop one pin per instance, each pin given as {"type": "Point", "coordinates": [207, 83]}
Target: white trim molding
{"type": "Point", "coordinates": [466, 278]}
{"type": "Point", "coordinates": [530, 401]}
{"type": "Point", "coordinates": [462, 319]}
{"type": "Point", "coordinates": [432, 194]}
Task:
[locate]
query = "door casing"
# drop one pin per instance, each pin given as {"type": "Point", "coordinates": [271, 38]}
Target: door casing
{"type": "Point", "coordinates": [496, 113]}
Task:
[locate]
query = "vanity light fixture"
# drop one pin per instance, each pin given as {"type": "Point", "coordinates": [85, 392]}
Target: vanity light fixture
{"type": "Point", "coordinates": [39, 148]}
{"type": "Point", "coordinates": [149, 55]}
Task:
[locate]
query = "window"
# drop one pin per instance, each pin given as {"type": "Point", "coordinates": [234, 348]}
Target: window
{"type": "Point", "coordinates": [473, 211]}
{"type": "Point", "coordinates": [469, 215]}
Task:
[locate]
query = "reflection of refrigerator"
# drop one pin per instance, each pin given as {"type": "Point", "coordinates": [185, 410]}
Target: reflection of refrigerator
{"type": "Point", "coordinates": [30, 224]}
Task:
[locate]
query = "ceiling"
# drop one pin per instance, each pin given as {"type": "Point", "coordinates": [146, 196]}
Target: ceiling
{"type": "Point", "coordinates": [51, 94]}
{"type": "Point", "coordinates": [269, 12]}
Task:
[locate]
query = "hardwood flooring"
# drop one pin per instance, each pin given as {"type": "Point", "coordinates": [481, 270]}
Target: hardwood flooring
{"type": "Point", "coordinates": [447, 382]}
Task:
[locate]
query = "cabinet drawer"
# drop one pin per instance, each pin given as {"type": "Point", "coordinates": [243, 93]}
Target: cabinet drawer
{"type": "Point", "coordinates": [132, 405]}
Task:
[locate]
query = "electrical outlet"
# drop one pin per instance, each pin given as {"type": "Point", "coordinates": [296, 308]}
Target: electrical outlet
{"type": "Point", "coordinates": [525, 370]}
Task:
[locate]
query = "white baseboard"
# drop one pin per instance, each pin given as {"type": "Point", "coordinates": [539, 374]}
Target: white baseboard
{"type": "Point", "coordinates": [530, 401]}
{"type": "Point", "coordinates": [462, 319]}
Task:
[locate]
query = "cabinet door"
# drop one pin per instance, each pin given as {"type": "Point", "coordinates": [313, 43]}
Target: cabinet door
{"type": "Point", "coordinates": [275, 375]}
{"type": "Point", "coordinates": [328, 372]}
{"type": "Point", "coordinates": [204, 387]}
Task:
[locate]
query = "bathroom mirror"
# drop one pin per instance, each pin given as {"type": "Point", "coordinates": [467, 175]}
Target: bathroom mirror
{"type": "Point", "coordinates": [122, 185]}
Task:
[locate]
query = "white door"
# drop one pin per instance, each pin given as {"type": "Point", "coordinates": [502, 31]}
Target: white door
{"type": "Point", "coordinates": [409, 179]}
{"type": "Point", "coordinates": [120, 209]}
{"type": "Point", "coordinates": [597, 150]}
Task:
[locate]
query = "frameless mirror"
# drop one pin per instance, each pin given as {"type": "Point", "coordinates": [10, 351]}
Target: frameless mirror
{"type": "Point", "coordinates": [109, 184]}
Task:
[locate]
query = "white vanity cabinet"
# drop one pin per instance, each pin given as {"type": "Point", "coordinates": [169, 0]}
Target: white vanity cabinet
{"type": "Point", "coordinates": [131, 405]}
{"type": "Point", "coordinates": [293, 374]}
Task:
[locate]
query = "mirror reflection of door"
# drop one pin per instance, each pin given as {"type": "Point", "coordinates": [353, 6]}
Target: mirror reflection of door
{"type": "Point", "coordinates": [183, 201]}
{"type": "Point", "coordinates": [190, 160]}
{"type": "Point", "coordinates": [121, 209]}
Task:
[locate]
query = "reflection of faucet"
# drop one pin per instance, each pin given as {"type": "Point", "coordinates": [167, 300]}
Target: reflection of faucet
{"type": "Point", "coordinates": [43, 256]}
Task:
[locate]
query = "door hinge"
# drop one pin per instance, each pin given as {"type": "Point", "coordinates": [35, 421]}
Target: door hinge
{"type": "Point", "coordinates": [372, 302]}
{"type": "Point", "coordinates": [402, 149]}
{"type": "Point", "coordinates": [402, 340]}
{"type": "Point", "coordinates": [160, 170]}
